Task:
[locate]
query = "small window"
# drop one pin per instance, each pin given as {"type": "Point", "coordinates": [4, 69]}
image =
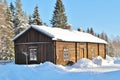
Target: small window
{"type": "Point", "coordinates": [66, 53]}
{"type": "Point", "coordinates": [33, 54]}
{"type": "Point", "coordinates": [93, 52]}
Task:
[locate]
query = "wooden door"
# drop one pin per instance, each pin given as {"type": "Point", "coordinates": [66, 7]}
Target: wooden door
{"type": "Point", "coordinates": [81, 54]}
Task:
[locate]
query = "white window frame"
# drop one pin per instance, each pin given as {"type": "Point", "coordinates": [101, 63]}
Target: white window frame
{"type": "Point", "coordinates": [66, 53]}
{"type": "Point", "coordinates": [33, 54]}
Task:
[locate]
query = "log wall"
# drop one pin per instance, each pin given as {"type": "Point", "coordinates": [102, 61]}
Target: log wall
{"type": "Point", "coordinates": [60, 53]}
{"type": "Point", "coordinates": [78, 50]}
{"type": "Point", "coordinates": [50, 50]}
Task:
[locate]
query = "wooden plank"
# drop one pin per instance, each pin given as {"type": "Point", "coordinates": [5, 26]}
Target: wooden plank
{"type": "Point", "coordinates": [32, 43]}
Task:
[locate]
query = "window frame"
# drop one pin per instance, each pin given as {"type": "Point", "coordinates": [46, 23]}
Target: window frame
{"type": "Point", "coordinates": [93, 53]}
{"type": "Point", "coordinates": [33, 55]}
{"type": "Point", "coordinates": [66, 53]}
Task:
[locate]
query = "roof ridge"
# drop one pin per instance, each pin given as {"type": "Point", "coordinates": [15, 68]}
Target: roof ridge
{"type": "Point", "coordinates": [65, 34]}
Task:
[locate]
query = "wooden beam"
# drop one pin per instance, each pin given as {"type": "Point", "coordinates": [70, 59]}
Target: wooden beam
{"type": "Point", "coordinates": [75, 51]}
{"type": "Point", "coordinates": [98, 49]}
{"type": "Point", "coordinates": [32, 43]}
{"type": "Point", "coordinates": [55, 52]}
{"type": "Point", "coordinates": [104, 51]}
{"type": "Point", "coordinates": [87, 48]}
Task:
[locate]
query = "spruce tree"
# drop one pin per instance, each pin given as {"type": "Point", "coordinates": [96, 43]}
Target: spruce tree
{"type": "Point", "coordinates": [25, 18]}
{"type": "Point", "coordinates": [59, 18]}
{"type": "Point", "coordinates": [12, 9]}
{"type": "Point", "coordinates": [9, 35]}
{"type": "Point", "coordinates": [36, 17]}
{"type": "Point", "coordinates": [30, 20]}
{"type": "Point", "coordinates": [19, 19]}
{"type": "Point", "coordinates": [91, 31]}
{"type": "Point", "coordinates": [88, 31]}
{"type": "Point", "coordinates": [6, 31]}
{"type": "Point", "coordinates": [9, 16]}
{"type": "Point", "coordinates": [104, 36]}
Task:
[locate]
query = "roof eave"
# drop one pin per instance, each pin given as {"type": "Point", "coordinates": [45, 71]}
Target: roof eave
{"type": "Point", "coordinates": [29, 27]}
{"type": "Point", "coordinates": [18, 35]}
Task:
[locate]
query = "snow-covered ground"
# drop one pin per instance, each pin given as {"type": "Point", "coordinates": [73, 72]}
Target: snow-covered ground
{"type": "Point", "coordinates": [84, 69]}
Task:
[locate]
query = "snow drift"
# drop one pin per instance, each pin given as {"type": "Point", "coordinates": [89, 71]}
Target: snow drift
{"type": "Point", "coordinates": [84, 63]}
{"type": "Point", "coordinates": [84, 69]}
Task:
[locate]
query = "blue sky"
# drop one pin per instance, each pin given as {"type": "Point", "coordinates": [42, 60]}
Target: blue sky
{"type": "Point", "coordinates": [101, 15]}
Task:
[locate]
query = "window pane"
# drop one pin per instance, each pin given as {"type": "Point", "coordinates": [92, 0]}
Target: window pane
{"type": "Point", "coordinates": [33, 54]}
{"type": "Point", "coordinates": [92, 51]}
{"type": "Point", "coordinates": [66, 53]}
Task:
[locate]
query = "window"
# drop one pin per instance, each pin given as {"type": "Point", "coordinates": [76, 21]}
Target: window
{"type": "Point", "coordinates": [92, 51]}
{"type": "Point", "coordinates": [33, 54]}
{"type": "Point", "coordinates": [66, 53]}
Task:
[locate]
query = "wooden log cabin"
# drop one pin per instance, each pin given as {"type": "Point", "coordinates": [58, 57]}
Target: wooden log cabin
{"type": "Point", "coordinates": [38, 44]}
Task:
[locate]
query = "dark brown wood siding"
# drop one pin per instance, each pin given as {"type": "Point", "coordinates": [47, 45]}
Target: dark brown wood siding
{"type": "Point", "coordinates": [33, 38]}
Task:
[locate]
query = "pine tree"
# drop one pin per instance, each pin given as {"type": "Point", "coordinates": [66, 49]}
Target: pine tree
{"type": "Point", "coordinates": [19, 20]}
{"type": "Point", "coordinates": [25, 18]}
{"type": "Point", "coordinates": [12, 9]}
{"type": "Point", "coordinates": [45, 24]}
{"type": "Point", "coordinates": [59, 18]}
{"type": "Point", "coordinates": [36, 17]}
{"type": "Point", "coordinates": [9, 16]}
{"type": "Point", "coordinates": [91, 31]}
{"type": "Point", "coordinates": [19, 11]}
{"type": "Point", "coordinates": [88, 31]}
{"type": "Point", "coordinates": [98, 35]}
{"type": "Point", "coordinates": [6, 31]}
{"type": "Point", "coordinates": [30, 20]}
{"type": "Point", "coordinates": [2, 29]}
{"type": "Point", "coordinates": [9, 36]}
{"type": "Point", "coordinates": [104, 36]}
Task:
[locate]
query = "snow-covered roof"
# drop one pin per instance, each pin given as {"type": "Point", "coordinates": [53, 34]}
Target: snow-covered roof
{"type": "Point", "coordinates": [65, 34]}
